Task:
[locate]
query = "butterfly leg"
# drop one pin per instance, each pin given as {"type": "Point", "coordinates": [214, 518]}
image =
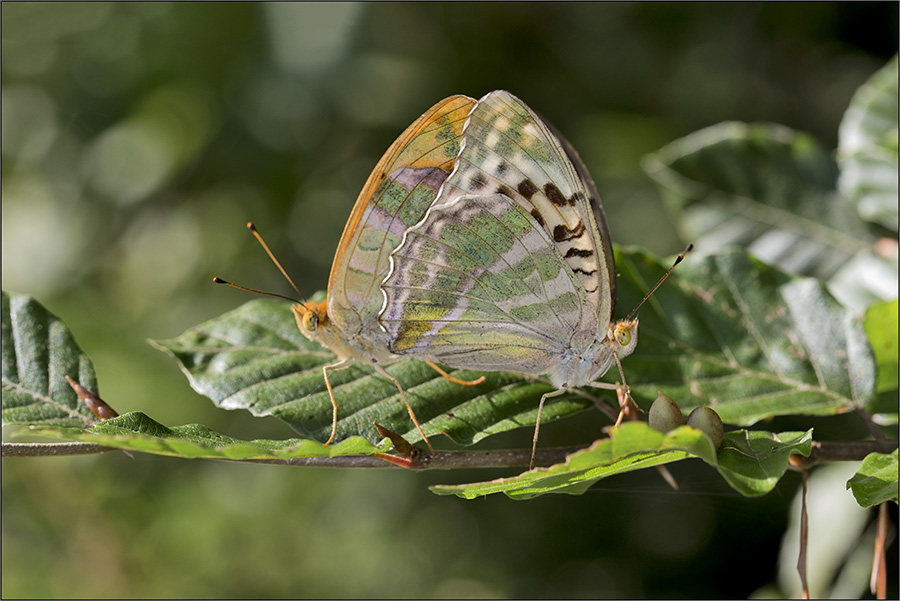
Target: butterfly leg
{"type": "Point", "coordinates": [334, 407]}
{"type": "Point", "coordinates": [627, 406]}
{"type": "Point", "coordinates": [537, 425]}
{"type": "Point", "coordinates": [409, 408]}
{"type": "Point", "coordinates": [437, 368]}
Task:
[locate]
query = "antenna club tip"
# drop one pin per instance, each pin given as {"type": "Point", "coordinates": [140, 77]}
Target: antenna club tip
{"type": "Point", "coordinates": [218, 280]}
{"type": "Point", "coordinates": [250, 226]}
{"type": "Point", "coordinates": [680, 258]}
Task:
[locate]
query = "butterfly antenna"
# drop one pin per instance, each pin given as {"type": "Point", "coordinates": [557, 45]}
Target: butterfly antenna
{"type": "Point", "coordinates": [219, 280]}
{"type": "Point", "coordinates": [678, 260]}
{"type": "Point", "coordinates": [256, 234]}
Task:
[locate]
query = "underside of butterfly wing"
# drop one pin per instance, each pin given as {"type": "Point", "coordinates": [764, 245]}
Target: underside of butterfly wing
{"type": "Point", "coordinates": [479, 284]}
{"type": "Point", "coordinates": [398, 192]}
{"type": "Point", "coordinates": [602, 239]}
{"type": "Point", "coordinates": [508, 149]}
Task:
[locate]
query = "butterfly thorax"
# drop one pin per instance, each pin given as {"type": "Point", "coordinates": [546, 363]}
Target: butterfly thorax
{"type": "Point", "coordinates": [581, 367]}
{"type": "Point", "coordinates": [314, 322]}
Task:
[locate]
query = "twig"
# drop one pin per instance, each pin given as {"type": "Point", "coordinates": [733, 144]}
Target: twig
{"type": "Point", "coordinates": [822, 452]}
{"type": "Point", "coordinates": [878, 582]}
{"type": "Point", "coordinates": [870, 423]}
{"type": "Point", "coordinates": [829, 452]}
{"type": "Point", "coordinates": [804, 536]}
{"type": "Point", "coordinates": [440, 460]}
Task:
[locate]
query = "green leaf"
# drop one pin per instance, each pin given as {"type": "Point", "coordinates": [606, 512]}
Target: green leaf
{"type": "Point", "coordinates": [255, 358]}
{"type": "Point", "coordinates": [38, 353]}
{"type": "Point", "coordinates": [745, 339]}
{"type": "Point", "coordinates": [876, 480]}
{"type": "Point", "coordinates": [881, 327]}
{"type": "Point", "coordinates": [725, 331]}
{"type": "Point", "coordinates": [137, 432]}
{"type": "Point", "coordinates": [764, 187]}
{"type": "Point", "coordinates": [752, 462]}
{"type": "Point", "coordinates": [632, 446]}
{"type": "Point", "coordinates": [867, 148]}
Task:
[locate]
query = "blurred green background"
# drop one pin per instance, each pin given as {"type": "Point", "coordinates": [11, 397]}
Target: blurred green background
{"type": "Point", "coordinates": [139, 138]}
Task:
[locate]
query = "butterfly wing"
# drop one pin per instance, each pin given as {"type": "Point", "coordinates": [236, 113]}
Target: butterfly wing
{"type": "Point", "coordinates": [479, 284]}
{"type": "Point", "coordinates": [508, 149]}
{"type": "Point", "coordinates": [398, 192]}
{"type": "Point", "coordinates": [600, 233]}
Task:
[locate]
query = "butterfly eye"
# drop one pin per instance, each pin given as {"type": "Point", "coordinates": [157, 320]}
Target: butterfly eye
{"type": "Point", "coordinates": [623, 335]}
{"type": "Point", "coordinates": [311, 321]}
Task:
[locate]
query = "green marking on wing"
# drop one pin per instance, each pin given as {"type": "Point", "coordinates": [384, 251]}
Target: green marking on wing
{"type": "Point", "coordinates": [493, 292]}
{"type": "Point", "coordinates": [398, 193]}
{"type": "Point", "coordinates": [509, 149]}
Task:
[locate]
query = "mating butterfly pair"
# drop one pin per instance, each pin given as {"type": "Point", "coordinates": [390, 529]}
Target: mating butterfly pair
{"type": "Point", "coordinates": [477, 242]}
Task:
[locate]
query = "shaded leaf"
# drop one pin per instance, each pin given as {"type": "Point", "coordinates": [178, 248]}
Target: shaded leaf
{"type": "Point", "coordinates": [764, 187]}
{"type": "Point", "coordinates": [635, 445]}
{"type": "Point", "coordinates": [867, 148]}
{"type": "Point", "coordinates": [38, 353]}
{"type": "Point", "coordinates": [876, 480]}
{"type": "Point", "coordinates": [137, 432]}
{"type": "Point", "coordinates": [747, 340]}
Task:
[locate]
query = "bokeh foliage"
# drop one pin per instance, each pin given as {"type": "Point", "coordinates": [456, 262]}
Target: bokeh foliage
{"type": "Point", "coordinates": [138, 138]}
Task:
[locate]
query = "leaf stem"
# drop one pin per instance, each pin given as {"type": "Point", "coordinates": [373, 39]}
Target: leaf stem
{"type": "Point", "coordinates": [870, 423]}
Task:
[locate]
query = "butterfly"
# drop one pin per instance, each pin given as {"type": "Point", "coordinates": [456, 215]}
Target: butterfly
{"type": "Point", "coordinates": [511, 268]}
{"type": "Point", "coordinates": [396, 195]}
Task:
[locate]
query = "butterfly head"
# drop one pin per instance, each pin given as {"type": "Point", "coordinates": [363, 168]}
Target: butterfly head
{"type": "Point", "coordinates": [312, 319]}
{"type": "Point", "coordinates": [314, 322]}
{"type": "Point", "coordinates": [619, 342]}
{"type": "Point", "coordinates": [622, 336]}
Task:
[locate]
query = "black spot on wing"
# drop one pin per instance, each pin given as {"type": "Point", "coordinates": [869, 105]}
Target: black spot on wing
{"type": "Point", "coordinates": [502, 168]}
{"type": "Point", "coordinates": [561, 233]}
{"type": "Point", "coordinates": [537, 217]}
{"type": "Point", "coordinates": [585, 272]}
{"type": "Point", "coordinates": [527, 189]}
{"type": "Point", "coordinates": [478, 181]}
{"type": "Point", "coordinates": [501, 189]}
{"type": "Point", "coordinates": [578, 252]}
{"type": "Point", "coordinates": [555, 196]}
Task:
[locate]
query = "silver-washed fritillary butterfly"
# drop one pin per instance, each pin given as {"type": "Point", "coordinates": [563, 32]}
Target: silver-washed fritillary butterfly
{"type": "Point", "coordinates": [397, 194]}
{"type": "Point", "coordinates": [511, 268]}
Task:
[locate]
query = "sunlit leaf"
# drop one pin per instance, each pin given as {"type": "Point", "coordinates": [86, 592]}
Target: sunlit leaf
{"type": "Point", "coordinates": [38, 353]}
{"type": "Point", "coordinates": [752, 462]}
{"type": "Point", "coordinates": [876, 480]}
{"type": "Point", "coordinates": [881, 327]}
{"type": "Point", "coordinates": [867, 148]}
{"type": "Point", "coordinates": [137, 432]}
